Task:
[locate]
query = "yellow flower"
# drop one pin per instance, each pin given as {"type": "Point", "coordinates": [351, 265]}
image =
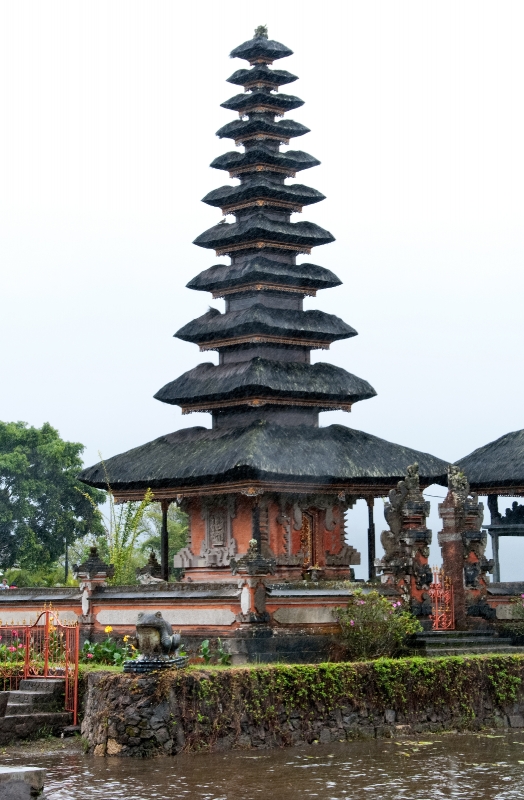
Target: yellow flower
{"type": "Point", "coordinates": [108, 629]}
{"type": "Point", "coordinates": [126, 638]}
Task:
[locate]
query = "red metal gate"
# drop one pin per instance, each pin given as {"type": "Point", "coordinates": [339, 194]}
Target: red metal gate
{"type": "Point", "coordinates": [441, 594]}
{"type": "Point", "coordinates": [47, 649]}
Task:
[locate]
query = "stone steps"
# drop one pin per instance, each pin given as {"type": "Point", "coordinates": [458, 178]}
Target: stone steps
{"type": "Point", "coordinates": [36, 707]}
{"type": "Point", "coordinates": [471, 651]}
{"type": "Point", "coordinates": [454, 643]}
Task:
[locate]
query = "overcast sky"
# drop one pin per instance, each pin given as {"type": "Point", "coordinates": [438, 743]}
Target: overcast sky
{"type": "Point", "coordinates": [109, 110]}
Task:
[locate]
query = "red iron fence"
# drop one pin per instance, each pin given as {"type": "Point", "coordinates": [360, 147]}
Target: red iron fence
{"type": "Point", "coordinates": [46, 649]}
{"type": "Point", "coordinates": [441, 594]}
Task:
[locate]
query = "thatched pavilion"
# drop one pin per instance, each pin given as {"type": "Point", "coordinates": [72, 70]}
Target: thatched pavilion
{"type": "Point", "coordinates": [497, 469]}
{"type": "Point", "coordinates": [265, 470]}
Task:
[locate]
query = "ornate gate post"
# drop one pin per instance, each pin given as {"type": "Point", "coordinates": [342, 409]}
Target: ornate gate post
{"type": "Point", "coordinates": [463, 544]}
{"type": "Point", "coordinates": [406, 543]}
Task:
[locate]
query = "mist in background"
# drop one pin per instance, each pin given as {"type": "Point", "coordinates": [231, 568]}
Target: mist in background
{"type": "Point", "coordinates": [109, 113]}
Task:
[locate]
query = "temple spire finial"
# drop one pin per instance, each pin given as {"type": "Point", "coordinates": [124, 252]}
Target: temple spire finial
{"type": "Point", "coordinates": [261, 32]}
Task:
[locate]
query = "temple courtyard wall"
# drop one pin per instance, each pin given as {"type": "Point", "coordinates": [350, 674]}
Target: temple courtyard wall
{"type": "Point", "coordinates": [276, 706]}
{"type": "Point", "coordinates": [294, 622]}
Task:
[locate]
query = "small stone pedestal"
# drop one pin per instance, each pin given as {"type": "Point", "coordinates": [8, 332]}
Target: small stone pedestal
{"type": "Point", "coordinates": [21, 783]}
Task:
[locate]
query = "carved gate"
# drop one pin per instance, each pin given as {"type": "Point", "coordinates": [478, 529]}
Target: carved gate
{"type": "Point", "coordinates": [442, 608]}
{"type": "Point", "coordinates": [47, 649]}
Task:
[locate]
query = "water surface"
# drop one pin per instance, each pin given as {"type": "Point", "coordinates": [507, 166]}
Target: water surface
{"type": "Point", "coordinates": [465, 766]}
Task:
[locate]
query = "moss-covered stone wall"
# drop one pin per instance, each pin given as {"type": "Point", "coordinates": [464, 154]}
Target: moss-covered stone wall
{"type": "Point", "coordinates": [274, 706]}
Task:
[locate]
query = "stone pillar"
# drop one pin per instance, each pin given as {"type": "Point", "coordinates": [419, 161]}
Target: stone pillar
{"type": "Point", "coordinates": [252, 569]}
{"type": "Point", "coordinates": [406, 543]}
{"type": "Point", "coordinates": [450, 543]}
{"type": "Point", "coordinates": [372, 572]}
{"type": "Point", "coordinates": [463, 545]}
{"type": "Point", "coordinates": [92, 574]}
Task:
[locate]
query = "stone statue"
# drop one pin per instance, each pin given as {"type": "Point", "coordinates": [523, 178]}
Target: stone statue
{"type": "Point", "coordinates": [157, 643]}
{"type": "Point", "coordinates": [154, 635]}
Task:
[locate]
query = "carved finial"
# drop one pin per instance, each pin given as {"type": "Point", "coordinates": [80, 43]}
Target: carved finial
{"type": "Point", "coordinates": [261, 32]}
{"type": "Point", "coordinates": [457, 482]}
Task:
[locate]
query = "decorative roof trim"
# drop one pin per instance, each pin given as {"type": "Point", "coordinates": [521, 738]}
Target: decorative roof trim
{"type": "Point", "coordinates": [261, 137]}
{"type": "Point", "coordinates": [287, 171]}
{"type": "Point", "coordinates": [232, 341]}
{"type": "Point", "coordinates": [261, 286]}
{"type": "Point", "coordinates": [256, 402]}
{"type": "Point", "coordinates": [299, 249]}
{"type": "Point", "coordinates": [259, 84]}
{"type": "Point", "coordinates": [260, 202]}
{"type": "Point", "coordinates": [503, 491]}
{"type": "Point", "coordinates": [262, 108]}
{"type": "Point", "coordinates": [257, 488]}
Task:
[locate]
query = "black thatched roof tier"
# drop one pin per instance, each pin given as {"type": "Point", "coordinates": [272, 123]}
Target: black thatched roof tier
{"type": "Point", "coordinates": [261, 187]}
{"type": "Point", "coordinates": [262, 321]}
{"type": "Point", "coordinates": [261, 228]}
{"type": "Point", "coordinates": [261, 377]}
{"type": "Point", "coordinates": [260, 99]}
{"type": "Point", "coordinates": [499, 464]}
{"type": "Point", "coordinates": [263, 452]}
{"type": "Point", "coordinates": [262, 49]}
{"type": "Point", "coordinates": [263, 270]}
{"type": "Point", "coordinates": [288, 163]}
{"type": "Point", "coordinates": [262, 125]}
{"type": "Point", "coordinates": [261, 73]}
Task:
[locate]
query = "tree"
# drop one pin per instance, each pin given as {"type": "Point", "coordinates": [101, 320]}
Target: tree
{"type": "Point", "coordinates": [43, 505]}
{"type": "Point", "coordinates": [177, 529]}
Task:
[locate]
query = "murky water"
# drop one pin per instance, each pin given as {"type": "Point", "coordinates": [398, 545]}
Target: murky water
{"type": "Point", "coordinates": [465, 766]}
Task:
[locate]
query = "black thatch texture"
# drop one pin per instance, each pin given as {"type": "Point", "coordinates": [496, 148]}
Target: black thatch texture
{"type": "Point", "coordinates": [262, 187]}
{"type": "Point", "coordinates": [499, 463]}
{"type": "Point", "coordinates": [261, 124]}
{"type": "Point", "coordinates": [292, 160]}
{"type": "Point", "coordinates": [260, 227]}
{"type": "Point", "coordinates": [261, 377]}
{"type": "Point", "coordinates": [265, 270]}
{"type": "Point", "coordinates": [261, 72]}
{"type": "Point", "coordinates": [260, 47]}
{"type": "Point", "coordinates": [260, 320]}
{"type": "Point", "coordinates": [262, 451]}
{"type": "Point", "coordinates": [259, 97]}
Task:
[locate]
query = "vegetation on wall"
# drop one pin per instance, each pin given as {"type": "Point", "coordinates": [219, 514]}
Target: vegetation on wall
{"type": "Point", "coordinates": [213, 703]}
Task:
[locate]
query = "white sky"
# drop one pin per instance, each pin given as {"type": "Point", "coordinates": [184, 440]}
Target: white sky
{"type": "Point", "coordinates": [108, 115]}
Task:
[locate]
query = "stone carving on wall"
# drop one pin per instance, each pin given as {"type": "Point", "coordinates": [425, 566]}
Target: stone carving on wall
{"type": "Point", "coordinates": [219, 545]}
{"type": "Point", "coordinates": [291, 516]}
{"type": "Point", "coordinates": [406, 542]}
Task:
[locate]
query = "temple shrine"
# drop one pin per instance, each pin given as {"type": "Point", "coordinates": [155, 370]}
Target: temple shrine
{"type": "Point", "coordinates": [265, 471]}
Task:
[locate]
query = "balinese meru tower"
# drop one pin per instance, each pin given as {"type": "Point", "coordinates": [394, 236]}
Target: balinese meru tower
{"type": "Point", "coordinates": [265, 470]}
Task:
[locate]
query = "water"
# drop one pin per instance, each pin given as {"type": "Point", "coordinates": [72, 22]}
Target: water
{"type": "Point", "coordinates": [465, 766]}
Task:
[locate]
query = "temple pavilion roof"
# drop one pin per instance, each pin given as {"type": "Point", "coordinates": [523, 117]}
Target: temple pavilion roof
{"type": "Point", "coordinates": [262, 323]}
{"type": "Point", "coordinates": [258, 269]}
{"type": "Point", "coordinates": [286, 163]}
{"type": "Point", "coordinates": [264, 126]}
{"type": "Point", "coordinates": [260, 100]}
{"type": "Point", "coordinates": [261, 74]}
{"type": "Point", "coordinates": [264, 378]}
{"type": "Point", "coordinates": [261, 49]}
{"type": "Point", "coordinates": [334, 457]}
{"type": "Point", "coordinates": [262, 187]}
{"type": "Point", "coordinates": [497, 467]}
{"type": "Point", "coordinates": [259, 228]}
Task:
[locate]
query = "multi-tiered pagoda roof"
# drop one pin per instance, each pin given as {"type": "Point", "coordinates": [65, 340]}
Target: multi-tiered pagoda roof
{"type": "Point", "coordinates": [264, 394]}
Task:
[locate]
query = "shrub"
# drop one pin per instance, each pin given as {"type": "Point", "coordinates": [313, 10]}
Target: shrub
{"type": "Point", "coordinates": [374, 627]}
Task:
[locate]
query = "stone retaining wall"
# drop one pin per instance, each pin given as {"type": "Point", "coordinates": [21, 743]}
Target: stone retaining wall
{"type": "Point", "coordinates": [281, 706]}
